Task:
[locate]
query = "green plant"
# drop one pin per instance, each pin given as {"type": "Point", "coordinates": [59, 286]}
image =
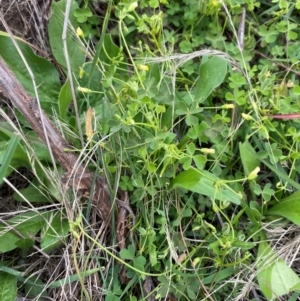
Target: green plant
{"type": "Point", "coordinates": [189, 138]}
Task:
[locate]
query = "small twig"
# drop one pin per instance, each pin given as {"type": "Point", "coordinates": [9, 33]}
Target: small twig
{"type": "Point", "coordinates": [19, 298]}
{"type": "Point", "coordinates": [241, 30]}
{"type": "Point", "coordinates": [285, 116]}
{"type": "Point", "coordinates": [128, 209]}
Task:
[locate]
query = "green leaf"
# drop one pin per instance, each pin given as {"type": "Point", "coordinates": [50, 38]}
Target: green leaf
{"type": "Point", "coordinates": [249, 161]}
{"type": "Point", "coordinates": [186, 46]}
{"type": "Point", "coordinates": [292, 35]}
{"type": "Point", "coordinates": [296, 90]}
{"type": "Point", "coordinates": [187, 212]}
{"type": "Point", "coordinates": [35, 287]}
{"type": "Point", "coordinates": [212, 74]}
{"type": "Point", "coordinates": [28, 224]}
{"type": "Point", "coordinates": [186, 162]}
{"type": "Point", "coordinates": [191, 120]}
{"type": "Point", "coordinates": [12, 145]}
{"type": "Point", "coordinates": [219, 276]}
{"type": "Point", "coordinates": [152, 254]}
{"type": "Point", "coordinates": [283, 278]}
{"type": "Point", "coordinates": [154, 3]}
{"type": "Point", "coordinates": [206, 183]}
{"type": "Point", "coordinates": [10, 271]}
{"type": "Point", "coordinates": [24, 243]}
{"type": "Point", "coordinates": [41, 190]}
{"type": "Point", "coordinates": [93, 83]}
{"type": "Point", "coordinates": [45, 74]}
{"type": "Point", "coordinates": [128, 253]}
{"type": "Point", "coordinates": [256, 210]}
{"type": "Point", "coordinates": [64, 100]}
{"type": "Point", "coordinates": [192, 287]}
{"type": "Point", "coordinates": [200, 161]}
{"type": "Point", "coordinates": [53, 233]}
{"type": "Point", "coordinates": [40, 149]}
{"type": "Point", "coordinates": [276, 168]}
{"type": "Point", "coordinates": [20, 155]}
{"type": "Point", "coordinates": [8, 287]}
{"type": "Point", "coordinates": [139, 263]}
{"type": "Point", "coordinates": [269, 34]}
{"type": "Point", "coordinates": [32, 194]}
{"type": "Point", "coordinates": [110, 53]}
{"type": "Point", "coordinates": [265, 263]}
{"type": "Point", "coordinates": [151, 167]}
{"type": "Point", "coordinates": [182, 108]}
{"type": "Point", "coordinates": [6, 130]}
{"type": "Point", "coordinates": [76, 53]}
{"type": "Point", "coordinates": [274, 276]}
{"type": "Point", "coordinates": [79, 12]}
{"type": "Point", "coordinates": [288, 208]}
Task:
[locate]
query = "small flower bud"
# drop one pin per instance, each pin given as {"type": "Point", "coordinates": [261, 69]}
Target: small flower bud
{"type": "Point", "coordinates": [81, 73]}
{"type": "Point", "coordinates": [84, 90]}
{"type": "Point", "coordinates": [228, 106]}
{"type": "Point", "coordinates": [253, 174]}
{"type": "Point", "coordinates": [207, 150]}
{"type": "Point", "coordinates": [196, 261]}
{"type": "Point", "coordinates": [131, 121]}
{"type": "Point", "coordinates": [132, 7]}
{"type": "Point", "coordinates": [143, 67]}
{"type": "Point", "coordinates": [79, 32]}
{"type": "Point", "coordinates": [247, 117]}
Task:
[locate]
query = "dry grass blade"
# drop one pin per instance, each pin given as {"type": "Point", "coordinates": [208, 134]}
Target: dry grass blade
{"type": "Point", "coordinates": [70, 76]}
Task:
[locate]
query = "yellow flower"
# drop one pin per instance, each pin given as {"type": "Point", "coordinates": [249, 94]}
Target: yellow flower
{"type": "Point", "coordinates": [79, 32]}
{"type": "Point", "coordinates": [143, 67]}
{"type": "Point", "coordinates": [247, 117]}
{"type": "Point", "coordinates": [253, 174]}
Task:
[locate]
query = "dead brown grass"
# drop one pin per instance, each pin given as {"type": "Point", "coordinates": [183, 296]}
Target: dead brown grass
{"type": "Point", "coordinates": [28, 20]}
